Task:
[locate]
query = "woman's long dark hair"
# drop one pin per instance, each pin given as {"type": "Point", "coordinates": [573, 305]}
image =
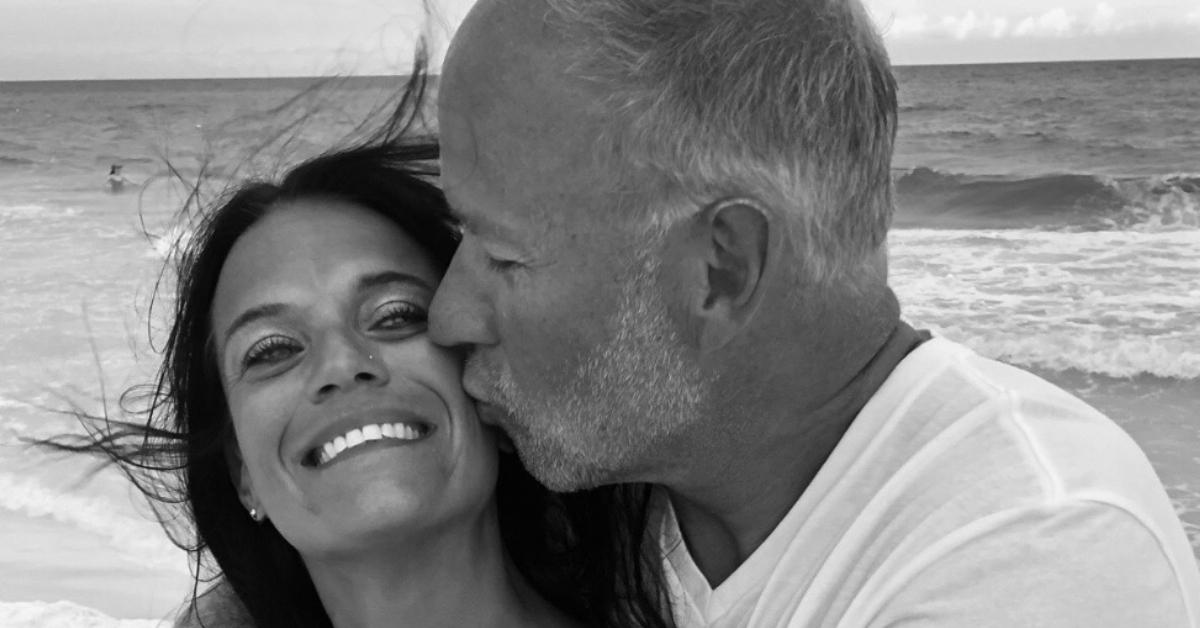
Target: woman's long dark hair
{"type": "Point", "coordinates": [584, 552]}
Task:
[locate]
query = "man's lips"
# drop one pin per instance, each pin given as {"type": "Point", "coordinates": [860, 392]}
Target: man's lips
{"type": "Point", "coordinates": [490, 414]}
{"type": "Point", "coordinates": [475, 383]}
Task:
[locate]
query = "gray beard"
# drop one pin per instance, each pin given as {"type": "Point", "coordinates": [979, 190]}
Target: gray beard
{"type": "Point", "coordinates": [614, 419]}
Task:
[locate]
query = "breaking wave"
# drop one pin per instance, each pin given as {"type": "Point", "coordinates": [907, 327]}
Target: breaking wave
{"type": "Point", "coordinates": [141, 540]}
{"type": "Point", "coordinates": [933, 199]}
{"type": "Point", "coordinates": [1083, 352]}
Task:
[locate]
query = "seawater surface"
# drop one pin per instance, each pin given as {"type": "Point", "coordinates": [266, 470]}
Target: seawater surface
{"type": "Point", "coordinates": [1049, 216]}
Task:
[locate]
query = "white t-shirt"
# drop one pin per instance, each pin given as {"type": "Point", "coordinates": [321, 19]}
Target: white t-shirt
{"type": "Point", "coordinates": [967, 493]}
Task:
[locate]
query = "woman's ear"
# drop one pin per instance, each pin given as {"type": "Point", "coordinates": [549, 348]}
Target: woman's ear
{"type": "Point", "coordinates": [241, 478]}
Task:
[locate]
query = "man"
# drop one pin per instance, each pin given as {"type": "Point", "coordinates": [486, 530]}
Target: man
{"type": "Point", "coordinates": [673, 270]}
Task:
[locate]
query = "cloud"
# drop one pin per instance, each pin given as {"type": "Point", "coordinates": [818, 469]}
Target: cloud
{"type": "Point", "coordinates": [999, 27]}
{"type": "Point", "coordinates": [972, 25]}
{"type": "Point", "coordinates": [908, 26]}
{"type": "Point", "coordinates": [1053, 23]}
{"type": "Point", "coordinates": [1193, 18]}
{"type": "Point", "coordinates": [952, 26]}
{"type": "Point", "coordinates": [1103, 21]}
{"type": "Point", "coordinates": [961, 28]}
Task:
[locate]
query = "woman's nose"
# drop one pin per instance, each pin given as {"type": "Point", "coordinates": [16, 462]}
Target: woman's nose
{"type": "Point", "coordinates": [344, 362]}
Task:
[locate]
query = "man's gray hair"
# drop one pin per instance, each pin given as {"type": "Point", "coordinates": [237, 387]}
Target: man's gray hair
{"type": "Point", "coordinates": [791, 102]}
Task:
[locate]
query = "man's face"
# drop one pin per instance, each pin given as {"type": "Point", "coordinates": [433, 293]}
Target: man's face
{"type": "Point", "coordinates": [571, 347]}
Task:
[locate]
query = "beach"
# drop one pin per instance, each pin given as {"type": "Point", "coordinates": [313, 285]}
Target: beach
{"type": "Point", "coordinates": [1049, 217]}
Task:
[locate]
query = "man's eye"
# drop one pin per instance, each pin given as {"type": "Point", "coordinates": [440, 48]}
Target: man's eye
{"type": "Point", "coordinates": [398, 315]}
{"type": "Point", "coordinates": [271, 350]}
{"type": "Point", "coordinates": [502, 265]}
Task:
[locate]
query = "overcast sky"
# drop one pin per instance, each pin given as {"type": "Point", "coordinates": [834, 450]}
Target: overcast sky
{"type": "Point", "coordinates": [94, 39]}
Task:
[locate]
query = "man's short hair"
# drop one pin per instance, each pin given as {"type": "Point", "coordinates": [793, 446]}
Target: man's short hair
{"type": "Point", "coordinates": [791, 102]}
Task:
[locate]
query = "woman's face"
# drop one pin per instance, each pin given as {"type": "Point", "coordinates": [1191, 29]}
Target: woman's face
{"type": "Point", "coordinates": [350, 423]}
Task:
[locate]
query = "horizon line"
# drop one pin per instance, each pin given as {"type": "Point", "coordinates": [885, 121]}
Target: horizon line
{"type": "Point", "coordinates": [438, 74]}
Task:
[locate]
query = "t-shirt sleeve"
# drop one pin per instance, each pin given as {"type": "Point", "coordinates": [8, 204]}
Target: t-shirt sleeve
{"type": "Point", "coordinates": [1079, 564]}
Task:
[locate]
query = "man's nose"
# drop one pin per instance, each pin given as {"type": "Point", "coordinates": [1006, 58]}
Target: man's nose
{"type": "Point", "coordinates": [342, 363]}
{"type": "Point", "coordinates": [461, 313]}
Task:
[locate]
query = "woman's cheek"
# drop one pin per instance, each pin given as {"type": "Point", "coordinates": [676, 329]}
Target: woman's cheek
{"type": "Point", "coordinates": [260, 420]}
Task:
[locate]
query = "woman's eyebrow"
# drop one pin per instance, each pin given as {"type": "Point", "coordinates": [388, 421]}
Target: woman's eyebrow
{"type": "Point", "coordinates": [375, 280]}
{"type": "Point", "coordinates": [257, 312]}
{"type": "Point", "coordinates": [365, 282]}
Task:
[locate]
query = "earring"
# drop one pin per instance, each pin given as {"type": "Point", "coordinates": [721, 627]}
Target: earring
{"type": "Point", "coordinates": [257, 516]}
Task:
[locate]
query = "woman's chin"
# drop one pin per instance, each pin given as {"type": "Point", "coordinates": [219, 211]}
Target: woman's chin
{"type": "Point", "coordinates": [369, 503]}
{"type": "Point", "coordinates": [360, 529]}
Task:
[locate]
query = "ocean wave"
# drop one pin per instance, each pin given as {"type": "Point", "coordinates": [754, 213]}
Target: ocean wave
{"type": "Point", "coordinates": [173, 241]}
{"type": "Point", "coordinates": [140, 539]}
{"type": "Point", "coordinates": [112, 158]}
{"type": "Point", "coordinates": [1088, 353]}
{"type": "Point", "coordinates": [64, 614]}
{"type": "Point", "coordinates": [933, 199]}
{"type": "Point", "coordinates": [930, 106]}
{"type": "Point", "coordinates": [11, 429]}
{"type": "Point", "coordinates": [11, 145]}
{"type": "Point", "coordinates": [33, 210]}
{"type": "Point", "coordinates": [22, 211]}
{"type": "Point", "coordinates": [15, 162]}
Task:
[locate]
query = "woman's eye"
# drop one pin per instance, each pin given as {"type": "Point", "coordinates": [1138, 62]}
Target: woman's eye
{"type": "Point", "coordinates": [268, 351]}
{"type": "Point", "coordinates": [398, 315]}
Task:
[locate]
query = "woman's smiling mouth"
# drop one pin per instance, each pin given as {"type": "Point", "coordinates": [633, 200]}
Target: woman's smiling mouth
{"type": "Point", "coordinates": [400, 431]}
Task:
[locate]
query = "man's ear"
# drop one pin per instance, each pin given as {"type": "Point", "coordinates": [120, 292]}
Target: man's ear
{"type": "Point", "coordinates": [738, 241]}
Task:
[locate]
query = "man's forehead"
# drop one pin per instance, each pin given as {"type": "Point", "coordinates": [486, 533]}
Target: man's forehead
{"type": "Point", "coordinates": [507, 158]}
{"type": "Point", "coordinates": [507, 83]}
{"type": "Point", "coordinates": [520, 133]}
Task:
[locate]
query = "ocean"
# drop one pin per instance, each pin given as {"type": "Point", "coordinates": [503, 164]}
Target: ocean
{"type": "Point", "coordinates": [1049, 216]}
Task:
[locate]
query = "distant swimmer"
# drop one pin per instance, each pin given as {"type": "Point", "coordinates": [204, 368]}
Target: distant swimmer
{"type": "Point", "coordinates": [116, 180]}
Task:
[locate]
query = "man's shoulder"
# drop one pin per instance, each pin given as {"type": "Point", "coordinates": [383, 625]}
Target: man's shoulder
{"type": "Point", "coordinates": [1052, 431]}
{"type": "Point", "coordinates": [968, 438]}
{"type": "Point", "coordinates": [975, 465]}
{"type": "Point", "coordinates": [996, 422]}
{"type": "Point", "coordinates": [949, 386]}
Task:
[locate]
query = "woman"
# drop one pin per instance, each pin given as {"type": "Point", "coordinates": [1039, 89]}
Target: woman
{"type": "Point", "coordinates": [326, 453]}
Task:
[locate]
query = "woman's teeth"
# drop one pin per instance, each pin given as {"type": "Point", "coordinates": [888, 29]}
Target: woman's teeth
{"type": "Point", "coordinates": [365, 434]}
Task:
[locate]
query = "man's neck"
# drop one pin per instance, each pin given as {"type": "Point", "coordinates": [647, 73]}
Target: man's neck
{"type": "Point", "coordinates": [447, 579]}
{"type": "Point", "coordinates": [726, 516]}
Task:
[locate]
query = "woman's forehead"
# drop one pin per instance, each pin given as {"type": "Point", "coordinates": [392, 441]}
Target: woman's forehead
{"type": "Point", "coordinates": [316, 245]}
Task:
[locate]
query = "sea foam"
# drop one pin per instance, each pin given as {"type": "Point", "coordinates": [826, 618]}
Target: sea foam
{"type": "Point", "coordinates": [1086, 352]}
{"type": "Point", "coordinates": [64, 614]}
{"type": "Point", "coordinates": [1116, 303]}
{"type": "Point", "coordinates": [139, 539]}
{"type": "Point", "coordinates": [25, 210]}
